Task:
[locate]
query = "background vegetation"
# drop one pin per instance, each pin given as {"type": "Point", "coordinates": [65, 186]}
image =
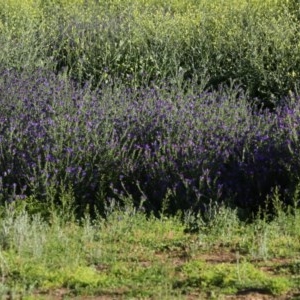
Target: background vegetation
{"type": "Point", "coordinates": [253, 41]}
{"type": "Point", "coordinates": [178, 104]}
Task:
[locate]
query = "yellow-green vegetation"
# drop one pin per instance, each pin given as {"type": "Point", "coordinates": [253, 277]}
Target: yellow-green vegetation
{"type": "Point", "coordinates": [128, 255]}
{"type": "Point", "coordinates": [255, 42]}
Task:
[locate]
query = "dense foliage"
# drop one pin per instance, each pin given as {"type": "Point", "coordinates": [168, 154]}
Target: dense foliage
{"type": "Point", "coordinates": [157, 103]}
{"type": "Point", "coordinates": [255, 42]}
{"type": "Point", "coordinates": [154, 144]}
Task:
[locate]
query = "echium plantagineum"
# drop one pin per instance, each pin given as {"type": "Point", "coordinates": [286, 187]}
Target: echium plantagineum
{"type": "Point", "coordinates": [152, 143]}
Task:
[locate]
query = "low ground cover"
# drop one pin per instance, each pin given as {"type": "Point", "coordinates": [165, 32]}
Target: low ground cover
{"type": "Point", "coordinates": [128, 255]}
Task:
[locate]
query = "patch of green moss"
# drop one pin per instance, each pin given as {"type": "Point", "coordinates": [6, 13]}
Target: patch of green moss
{"type": "Point", "coordinates": [231, 278]}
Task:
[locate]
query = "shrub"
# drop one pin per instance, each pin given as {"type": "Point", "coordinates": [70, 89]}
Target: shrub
{"type": "Point", "coordinates": [253, 42]}
{"type": "Point", "coordinates": [156, 144]}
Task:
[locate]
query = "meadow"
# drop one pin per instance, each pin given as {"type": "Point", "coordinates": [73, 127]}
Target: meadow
{"type": "Point", "coordinates": [149, 149]}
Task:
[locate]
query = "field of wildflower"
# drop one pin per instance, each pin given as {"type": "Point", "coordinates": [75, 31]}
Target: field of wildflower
{"type": "Point", "coordinates": [170, 108]}
{"type": "Point", "coordinates": [173, 105]}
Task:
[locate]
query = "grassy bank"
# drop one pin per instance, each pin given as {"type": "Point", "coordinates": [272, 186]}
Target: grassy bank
{"type": "Point", "coordinates": [130, 256]}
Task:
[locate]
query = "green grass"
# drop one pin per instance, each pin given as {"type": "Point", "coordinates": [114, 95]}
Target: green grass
{"type": "Point", "coordinates": [128, 255]}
